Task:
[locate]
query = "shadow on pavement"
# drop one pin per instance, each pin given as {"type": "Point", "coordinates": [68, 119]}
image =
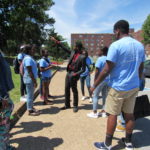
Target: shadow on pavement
{"type": "Point", "coordinates": [141, 135]}
{"type": "Point", "coordinates": [37, 143]}
{"type": "Point", "coordinates": [51, 110]}
{"type": "Point", "coordinates": [29, 127]}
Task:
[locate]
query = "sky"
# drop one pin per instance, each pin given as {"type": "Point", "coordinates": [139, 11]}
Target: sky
{"type": "Point", "coordinates": [96, 16]}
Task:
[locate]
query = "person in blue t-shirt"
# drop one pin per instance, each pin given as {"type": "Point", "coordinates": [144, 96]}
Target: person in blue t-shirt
{"type": "Point", "coordinates": [20, 58]}
{"type": "Point", "coordinates": [102, 87]}
{"type": "Point", "coordinates": [124, 65]}
{"type": "Point", "coordinates": [85, 76]}
{"type": "Point", "coordinates": [45, 68]}
{"type": "Point", "coordinates": [29, 77]}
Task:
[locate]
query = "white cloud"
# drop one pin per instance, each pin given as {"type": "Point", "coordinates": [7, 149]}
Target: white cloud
{"type": "Point", "coordinates": [67, 18]}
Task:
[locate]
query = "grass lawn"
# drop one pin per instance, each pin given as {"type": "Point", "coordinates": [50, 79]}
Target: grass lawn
{"type": "Point", "coordinates": [15, 93]}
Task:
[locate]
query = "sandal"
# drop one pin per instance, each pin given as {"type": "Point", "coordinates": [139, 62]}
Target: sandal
{"type": "Point", "coordinates": [48, 102]}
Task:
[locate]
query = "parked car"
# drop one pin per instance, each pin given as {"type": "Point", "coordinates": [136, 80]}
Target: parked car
{"type": "Point", "coordinates": [147, 68]}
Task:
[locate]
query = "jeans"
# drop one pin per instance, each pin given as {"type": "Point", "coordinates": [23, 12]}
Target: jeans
{"type": "Point", "coordinates": [82, 81]}
{"type": "Point", "coordinates": [30, 95]}
{"type": "Point", "coordinates": [100, 88]}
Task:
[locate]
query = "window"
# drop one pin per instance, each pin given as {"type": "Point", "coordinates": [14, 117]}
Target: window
{"type": "Point", "coordinates": [92, 44]}
{"type": "Point", "coordinates": [80, 36]}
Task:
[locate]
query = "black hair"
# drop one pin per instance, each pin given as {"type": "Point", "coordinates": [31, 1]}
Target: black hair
{"type": "Point", "coordinates": [42, 52]}
{"type": "Point", "coordinates": [79, 45]}
{"type": "Point", "coordinates": [122, 25]}
{"type": "Point", "coordinates": [104, 50]}
{"type": "Point", "coordinates": [27, 49]}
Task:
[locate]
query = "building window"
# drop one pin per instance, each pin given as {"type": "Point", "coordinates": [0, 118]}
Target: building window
{"type": "Point", "coordinates": [80, 36]}
{"type": "Point", "coordinates": [92, 44]}
{"type": "Point", "coordinates": [86, 44]}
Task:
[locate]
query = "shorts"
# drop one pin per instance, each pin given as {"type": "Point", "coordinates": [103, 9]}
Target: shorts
{"type": "Point", "coordinates": [121, 101]}
{"type": "Point", "coordinates": [45, 79]}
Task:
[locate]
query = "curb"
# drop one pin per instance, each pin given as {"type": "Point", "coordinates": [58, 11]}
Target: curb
{"type": "Point", "coordinates": [20, 108]}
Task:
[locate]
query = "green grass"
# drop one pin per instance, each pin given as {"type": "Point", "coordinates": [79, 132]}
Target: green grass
{"type": "Point", "coordinates": [15, 93]}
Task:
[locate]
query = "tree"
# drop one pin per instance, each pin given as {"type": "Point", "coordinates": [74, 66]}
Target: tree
{"type": "Point", "coordinates": [24, 21]}
{"type": "Point", "coordinates": [55, 51]}
{"type": "Point", "coordinates": [146, 30]}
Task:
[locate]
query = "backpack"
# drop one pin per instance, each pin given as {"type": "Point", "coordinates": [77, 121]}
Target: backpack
{"type": "Point", "coordinates": [16, 65]}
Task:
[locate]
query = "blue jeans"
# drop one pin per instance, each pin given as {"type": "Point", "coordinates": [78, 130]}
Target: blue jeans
{"type": "Point", "coordinates": [82, 81]}
{"type": "Point", "coordinates": [30, 95]}
{"type": "Point", "coordinates": [103, 87]}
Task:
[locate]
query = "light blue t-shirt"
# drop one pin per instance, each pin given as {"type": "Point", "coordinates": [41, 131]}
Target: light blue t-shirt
{"type": "Point", "coordinates": [127, 54]}
{"type": "Point", "coordinates": [88, 63]}
{"type": "Point", "coordinates": [43, 63]}
{"type": "Point", "coordinates": [100, 63]}
{"type": "Point", "coordinates": [21, 56]}
{"type": "Point", "coordinates": [29, 61]}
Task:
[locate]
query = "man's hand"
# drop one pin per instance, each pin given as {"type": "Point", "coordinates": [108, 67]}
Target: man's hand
{"type": "Point", "coordinates": [91, 90]}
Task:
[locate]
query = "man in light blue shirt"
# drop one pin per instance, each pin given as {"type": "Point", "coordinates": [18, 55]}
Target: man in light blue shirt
{"type": "Point", "coordinates": [125, 65]}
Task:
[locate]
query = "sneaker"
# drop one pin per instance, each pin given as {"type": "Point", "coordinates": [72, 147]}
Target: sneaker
{"type": "Point", "coordinates": [23, 99]}
{"type": "Point", "coordinates": [120, 128]}
{"type": "Point", "coordinates": [75, 109]}
{"type": "Point", "coordinates": [102, 146]}
{"type": "Point", "coordinates": [128, 146]}
{"type": "Point", "coordinates": [104, 115]}
{"type": "Point", "coordinates": [90, 100]}
{"type": "Point", "coordinates": [83, 98]}
{"type": "Point", "coordinates": [93, 115]}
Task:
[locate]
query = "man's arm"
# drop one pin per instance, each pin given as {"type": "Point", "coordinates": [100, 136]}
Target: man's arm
{"type": "Point", "coordinates": [29, 68]}
{"type": "Point", "coordinates": [60, 45]}
{"type": "Point", "coordinates": [103, 74]}
{"type": "Point", "coordinates": [141, 70]}
{"type": "Point", "coordinates": [96, 74]}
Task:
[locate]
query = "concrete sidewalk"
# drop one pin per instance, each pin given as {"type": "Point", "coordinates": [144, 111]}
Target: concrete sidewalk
{"type": "Point", "coordinates": [55, 129]}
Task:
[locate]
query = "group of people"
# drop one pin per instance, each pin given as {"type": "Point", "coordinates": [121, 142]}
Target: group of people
{"type": "Point", "coordinates": [117, 75]}
{"type": "Point", "coordinates": [29, 69]}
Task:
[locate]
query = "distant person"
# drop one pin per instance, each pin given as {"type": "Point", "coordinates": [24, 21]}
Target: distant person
{"type": "Point", "coordinates": [102, 87]}
{"type": "Point", "coordinates": [29, 78]}
{"type": "Point", "coordinates": [86, 77]}
{"type": "Point", "coordinates": [45, 68]}
{"type": "Point", "coordinates": [124, 64]}
{"type": "Point", "coordinates": [6, 104]}
{"type": "Point", "coordinates": [75, 68]}
{"type": "Point", "coordinates": [20, 58]}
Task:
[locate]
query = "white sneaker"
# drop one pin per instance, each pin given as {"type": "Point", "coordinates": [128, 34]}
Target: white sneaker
{"type": "Point", "coordinates": [23, 99]}
{"type": "Point", "coordinates": [83, 98]}
{"type": "Point", "coordinates": [92, 115]}
{"type": "Point", "coordinates": [90, 100]}
{"type": "Point", "coordinates": [104, 114]}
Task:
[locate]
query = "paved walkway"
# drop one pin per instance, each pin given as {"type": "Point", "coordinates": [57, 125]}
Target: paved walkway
{"type": "Point", "coordinates": [60, 130]}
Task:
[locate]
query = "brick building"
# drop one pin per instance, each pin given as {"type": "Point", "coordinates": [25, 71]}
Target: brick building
{"type": "Point", "coordinates": [92, 41]}
{"type": "Point", "coordinates": [138, 35]}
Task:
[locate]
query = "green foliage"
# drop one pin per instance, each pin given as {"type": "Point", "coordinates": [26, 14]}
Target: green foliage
{"type": "Point", "coordinates": [146, 30]}
{"type": "Point", "coordinates": [24, 21]}
{"type": "Point", "coordinates": [54, 50]}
